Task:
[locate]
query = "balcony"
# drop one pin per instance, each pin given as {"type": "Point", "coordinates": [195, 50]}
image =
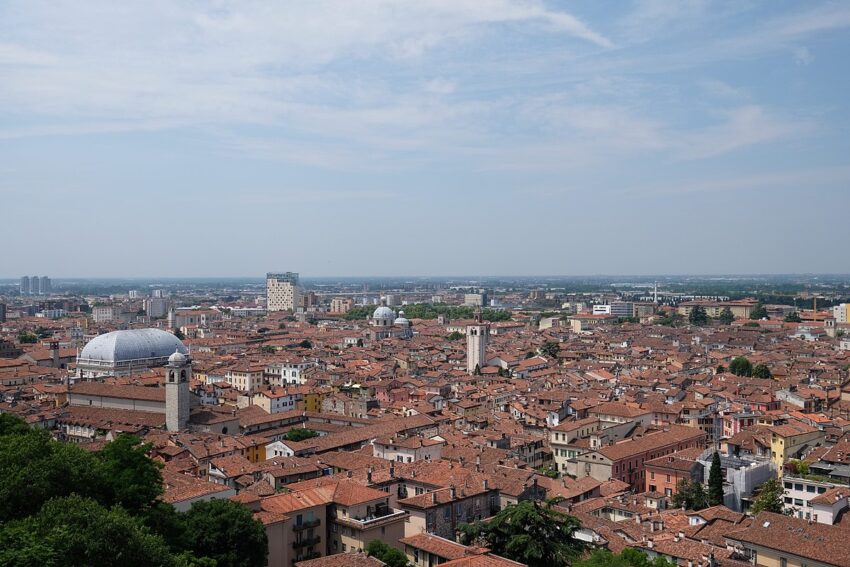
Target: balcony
{"type": "Point", "coordinates": [382, 517]}
{"type": "Point", "coordinates": [306, 542]}
{"type": "Point", "coordinates": [306, 525]}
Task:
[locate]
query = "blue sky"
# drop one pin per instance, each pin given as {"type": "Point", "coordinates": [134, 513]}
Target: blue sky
{"type": "Point", "coordinates": [378, 137]}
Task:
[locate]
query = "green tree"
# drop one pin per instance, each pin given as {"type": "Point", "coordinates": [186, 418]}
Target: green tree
{"type": "Point", "coordinates": [268, 349]}
{"type": "Point", "coordinates": [726, 316]}
{"type": "Point", "coordinates": [74, 530]}
{"type": "Point", "coordinates": [698, 316]}
{"type": "Point", "coordinates": [741, 366]}
{"type": "Point", "coordinates": [386, 553]}
{"type": "Point", "coordinates": [305, 344]}
{"type": "Point", "coordinates": [226, 532]}
{"type": "Point", "coordinates": [133, 480]}
{"type": "Point", "coordinates": [34, 469]}
{"type": "Point", "coordinates": [721, 369]}
{"type": "Point", "coordinates": [769, 498]}
{"type": "Point", "coordinates": [179, 334]}
{"type": "Point", "coordinates": [27, 338]}
{"type": "Point", "coordinates": [762, 371]}
{"type": "Point", "coordinates": [550, 349]}
{"type": "Point", "coordinates": [759, 312]}
{"type": "Point", "coordinates": [690, 495]}
{"type": "Point", "coordinates": [715, 481]}
{"type": "Point", "coordinates": [793, 317]}
{"type": "Point", "coordinates": [300, 434]}
{"type": "Point", "coordinates": [455, 336]}
{"type": "Point", "coordinates": [477, 371]}
{"type": "Point", "coordinates": [531, 532]}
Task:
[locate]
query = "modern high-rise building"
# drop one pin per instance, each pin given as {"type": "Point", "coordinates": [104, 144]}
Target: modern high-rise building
{"type": "Point", "coordinates": [477, 336]}
{"type": "Point", "coordinates": [25, 285]}
{"type": "Point", "coordinates": [281, 291]}
{"type": "Point", "coordinates": [476, 299]}
{"type": "Point", "coordinates": [156, 307]}
{"type": "Point", "coordinates": [44, 287]}
{"type": "Point", "coordinates": [158, 293]}
{"type": "Point", "coordinates": [2, 312]}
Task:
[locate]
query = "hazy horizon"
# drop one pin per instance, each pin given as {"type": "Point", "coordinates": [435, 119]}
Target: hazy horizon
{"type": "Point", "coordinates": [462, 136]}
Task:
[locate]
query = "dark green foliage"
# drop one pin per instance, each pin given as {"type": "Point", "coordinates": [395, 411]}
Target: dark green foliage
{"type": "Point", "coordinates": [179, 334]}
{"type": "Point", "coordinates": [300, 434]}
{"type": "Point", "coordinates": [550, 349]}
{"type": "Point", "coordinates": [268, 349]}
{"type": "Point", "coordinates": [132, 479]}
{"type": "Point", "coordinates": [627, 558]}
{"type": "Point", "coordinates": [751, 324]}
{"type": "Point", "coordinates": [762, 371]}
{"type": "Point", "coordinates": [758, 312]}
{"type": "Point", "coordinates": [62, 505]}
{"type": "Point", "coordinates": [305, 344]}
{"type": "Point", "coordinates": [386, 553]}
{"type": "Point", "coordinates": [78, 531]}
{"type": "Point", "coordinates": [534, 533]}
{"type": "Point", "coordinates": [11, 425]}
{"type": "Point", "coordinates": [455, 336]}
{"type": "Point", "coordinates": [726, 316]}
{"type": "Point", "coordinates": [721, 369]}
{"type": "Point", "coordinates": [741, 366]}
{"type": "Point", "coordinates": [715, 481]}
{"type": "Point", "coordinates": [769, 498]}
{"type": "Point", "coordinates": [27, 338]}
{"type": "Point", "coordinates": [690, 495]}
{"type": "Point", "coordinates": [698, 316]}
{"type": "Point", "coordinates": [227, 532]}
{"type": "Point", "coordinates": [793, 318]}
{"type": "Point", "coordinates": [34, 469]}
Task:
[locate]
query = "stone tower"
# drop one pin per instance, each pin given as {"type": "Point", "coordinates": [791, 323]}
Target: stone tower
{"type": "Point", "coordinates": [178, 372]}
{"type": "Point", "coordinates": [477, 336]}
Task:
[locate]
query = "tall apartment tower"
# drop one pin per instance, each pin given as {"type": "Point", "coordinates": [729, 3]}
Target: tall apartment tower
{"type": "Point", "coordinates": [25, 285]}
{"type": "Point", "coordinates": [2, 312]}
{"type": "Point", "coordinates": [178, 373]}
{"type": "Point", "coordinates": [477, 336]}
{"type": "Point", "coordinates": [44, 286]}
{"type": "Point", "coordinates": [282, 291]}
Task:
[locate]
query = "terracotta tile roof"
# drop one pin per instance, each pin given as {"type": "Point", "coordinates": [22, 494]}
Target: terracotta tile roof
{"type": "Point", "coordinates": [818, 542]}
{"type": "Point", "coordinates": [343, 560]}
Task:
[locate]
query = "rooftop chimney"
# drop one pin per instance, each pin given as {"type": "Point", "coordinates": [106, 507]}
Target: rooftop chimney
{"type": "Point", "coordinates": [453, 492]}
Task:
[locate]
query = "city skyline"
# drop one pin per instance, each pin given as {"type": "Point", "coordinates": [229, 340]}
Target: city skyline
{"type": "Point", "coordinates": [381, 138]}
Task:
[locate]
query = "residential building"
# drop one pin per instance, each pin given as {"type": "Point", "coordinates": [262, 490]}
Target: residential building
{"type": "Point", "coordinates": [282, 291]}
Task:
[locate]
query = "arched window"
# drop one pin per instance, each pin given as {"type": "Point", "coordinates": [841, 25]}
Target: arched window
{"type": "Point", "coordinates": [182, 375]}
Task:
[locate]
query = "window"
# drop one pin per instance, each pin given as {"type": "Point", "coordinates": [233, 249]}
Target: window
{"type": "Point", "coordinates": [821, 489]}
{"type": "Point", "coordinates": [783, 562]}
{"type": "Point", "coordinates": [787, 500]}
{"type": "Point", "coordinates": [652, 475]}
{"type": "Point", "coordinates": [798, 486]}
{"type": "Point", "coordinates": [788, 485]}
{"type": "Point", "coordinates": [668, 478]}
{"type": "Point", "coordinates": [810, 488]}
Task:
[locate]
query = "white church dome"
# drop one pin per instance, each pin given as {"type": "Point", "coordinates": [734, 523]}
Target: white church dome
{"type": "Point", "coordinates": [384, 312]}
{"type": "Point", "coordinates": [134, 344]}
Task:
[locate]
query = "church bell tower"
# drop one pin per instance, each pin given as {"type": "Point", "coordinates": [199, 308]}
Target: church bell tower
{"type": "Point", "coordinates": [178, 373]}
